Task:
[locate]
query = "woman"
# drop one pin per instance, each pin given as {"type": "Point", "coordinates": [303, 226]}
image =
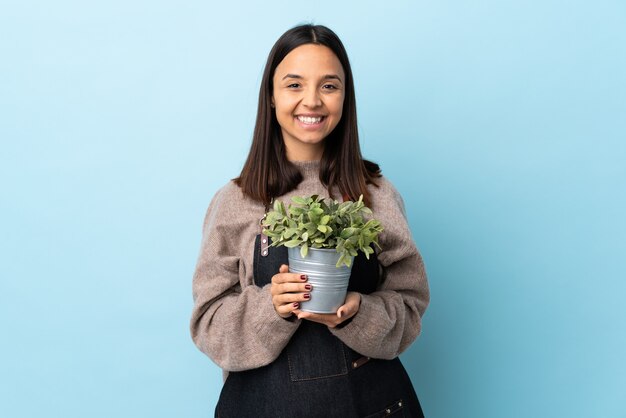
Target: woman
{"type": "Point", "coordinates": [279, 361]}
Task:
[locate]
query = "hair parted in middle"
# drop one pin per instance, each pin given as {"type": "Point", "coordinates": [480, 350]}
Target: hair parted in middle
{"type": "Point", "coordinates": [267, 173]}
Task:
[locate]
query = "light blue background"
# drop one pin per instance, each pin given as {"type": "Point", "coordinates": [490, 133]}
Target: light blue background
{"type": "Point", "coordinates": [502, 123]}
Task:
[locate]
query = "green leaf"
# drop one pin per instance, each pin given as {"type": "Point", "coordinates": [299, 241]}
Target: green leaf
{"type": "Point", "coordinates": [318, 223]}
{"type": "Point", "coordinates": [294, 210]}
{"type": "Point", "coordinates": [293, 243]}
{"type": "Point", "coordinates": [342, 257]}
{"type": "Point", "coordinates": [304, 250]}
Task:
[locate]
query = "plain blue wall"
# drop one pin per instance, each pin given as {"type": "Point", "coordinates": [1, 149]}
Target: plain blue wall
{"type": "Point", "coordinates": [501, 122]}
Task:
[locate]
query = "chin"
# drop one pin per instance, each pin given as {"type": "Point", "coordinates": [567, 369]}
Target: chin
{"type": "Point", "coordinates": [313, 141]}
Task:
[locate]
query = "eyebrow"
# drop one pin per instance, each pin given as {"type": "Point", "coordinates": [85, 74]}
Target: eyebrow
{"type": "Point", "coordinates": [326, 77]}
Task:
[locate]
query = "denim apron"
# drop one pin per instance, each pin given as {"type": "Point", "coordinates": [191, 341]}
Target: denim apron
{"type": "Point", "coordinates": [316, 375]}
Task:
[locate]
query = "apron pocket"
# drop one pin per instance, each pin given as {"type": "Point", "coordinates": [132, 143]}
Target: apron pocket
{"type": "Point", "coordinates": [314, 353]}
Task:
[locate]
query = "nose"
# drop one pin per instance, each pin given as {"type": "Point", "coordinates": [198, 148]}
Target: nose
{"type": "Point", "coordinates": [312, 98]}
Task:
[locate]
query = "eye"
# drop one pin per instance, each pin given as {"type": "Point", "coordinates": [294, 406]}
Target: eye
{"type": "Point", "coordinates": [294, 85]}
{"type": "Point", "coordinates": [329, 87]}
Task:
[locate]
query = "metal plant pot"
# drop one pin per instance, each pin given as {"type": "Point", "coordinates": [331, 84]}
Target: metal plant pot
{"type": "Point", "coordinates": [330, 283]}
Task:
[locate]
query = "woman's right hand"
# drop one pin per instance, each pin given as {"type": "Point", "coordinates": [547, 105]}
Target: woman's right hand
{"type": "Point", "coordinates": [288, 290]}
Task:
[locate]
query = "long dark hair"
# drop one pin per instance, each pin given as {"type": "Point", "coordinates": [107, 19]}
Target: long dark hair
{"type": "Point", "coordinates": [267, 173]}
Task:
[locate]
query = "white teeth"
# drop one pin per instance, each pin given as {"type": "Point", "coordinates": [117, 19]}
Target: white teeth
{"type": "Point", "coordinates": [309, 120]}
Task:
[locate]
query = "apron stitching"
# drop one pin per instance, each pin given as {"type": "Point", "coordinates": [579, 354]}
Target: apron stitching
{"type": "Point", "coordinates": [304, 379]}
{"type": "Point", "coordinates": [344, 371]}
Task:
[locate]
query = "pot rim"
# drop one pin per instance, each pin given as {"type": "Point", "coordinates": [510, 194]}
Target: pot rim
{"type": "Point", "coordinates": [320, 249]}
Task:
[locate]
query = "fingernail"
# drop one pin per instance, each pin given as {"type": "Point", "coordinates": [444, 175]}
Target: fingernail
{"type": "Point", "coordinates": [307, 296]}
{"type": "Point", "coordinates": [303, 277]}
{"type": "Point", "coordinates": [307, 286]}
{"type": "Point", "coordinates": [296, 304]}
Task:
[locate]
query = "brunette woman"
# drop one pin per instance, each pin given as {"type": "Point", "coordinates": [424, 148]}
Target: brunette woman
{"type": "Point", "coordinates": [279, 361]}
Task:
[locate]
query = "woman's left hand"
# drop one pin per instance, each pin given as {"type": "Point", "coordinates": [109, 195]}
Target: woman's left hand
{"type": "Point", "coordinates": [345, 311]}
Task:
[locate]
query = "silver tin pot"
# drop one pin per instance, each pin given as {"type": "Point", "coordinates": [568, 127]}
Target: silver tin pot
{"type": "Point", "coordinates": [330, 283]}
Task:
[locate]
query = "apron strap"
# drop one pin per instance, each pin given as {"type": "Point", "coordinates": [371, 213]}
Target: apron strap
{"type": "Point", "coordinates": [265, 240]}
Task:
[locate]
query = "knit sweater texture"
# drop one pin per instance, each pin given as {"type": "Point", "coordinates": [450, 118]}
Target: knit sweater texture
{"type": "Point", "coordinates": [234, 322]}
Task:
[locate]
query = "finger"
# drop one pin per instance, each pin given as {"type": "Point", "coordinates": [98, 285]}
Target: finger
{"type": "Point", "coordinates": [346, 311]}
{"type": "Point", "coordinates": [353, 298]}
{"type": "Point", "coordinates": [288, 278]}
{"type": "Point", "coordinates": [284, 298]}
{"type": "Point", "coordinates": [286, 310]}
{"type": "Point", "coordinates": [289, 288]}
{"type": "Point", "coordinates": [343, 310]}
{"type": "Point", "coordinates": [284, 268]}
{"type": "Point", "coordinates": [313, 316]}
{"type": "Point", "coordinates": [304, 315]}
{"type": "Point", "coordinates": [351, 305]}
{"type": "Point", "coordinates": [292, 288]}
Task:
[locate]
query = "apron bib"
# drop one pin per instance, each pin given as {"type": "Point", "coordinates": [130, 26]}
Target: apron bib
{"type": "Point", "coordinates": [317, 375]}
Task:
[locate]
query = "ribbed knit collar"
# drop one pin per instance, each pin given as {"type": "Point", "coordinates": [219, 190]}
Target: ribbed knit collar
{"type": "Point", "coordinates": [309, 169]}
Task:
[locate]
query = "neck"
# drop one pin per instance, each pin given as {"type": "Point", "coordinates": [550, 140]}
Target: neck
{"type": "Point", "coordinates": [303, 152]}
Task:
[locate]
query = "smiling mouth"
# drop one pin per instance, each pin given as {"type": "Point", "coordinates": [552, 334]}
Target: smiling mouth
{"type": "Point", "coordinates": [309, 120]}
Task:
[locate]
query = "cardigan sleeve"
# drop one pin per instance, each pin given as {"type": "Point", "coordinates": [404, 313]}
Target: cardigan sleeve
{"type": "Point", "coordinates": [236, 327]}
{"type": "Point", "coordinates": [390, 319]}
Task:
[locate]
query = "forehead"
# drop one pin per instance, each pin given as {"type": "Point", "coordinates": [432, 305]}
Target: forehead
{"type": "Point", "coordinates": [310, 60]}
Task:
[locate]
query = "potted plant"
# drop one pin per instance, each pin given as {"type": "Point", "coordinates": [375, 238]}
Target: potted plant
{"type": "Point", "coordinates": [322, 240]}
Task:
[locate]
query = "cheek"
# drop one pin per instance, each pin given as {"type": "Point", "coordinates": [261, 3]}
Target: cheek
{"type": "Point", "coordinates": [338, 109]}
{"type": "Point", "coordinates": [284, 119]}
{"type": "Point", "coordinates": [338, 106]}
{"type": "Point", "coordinates": [282, 110]}
{"type": "Point", "coordinates": [284, 107]}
